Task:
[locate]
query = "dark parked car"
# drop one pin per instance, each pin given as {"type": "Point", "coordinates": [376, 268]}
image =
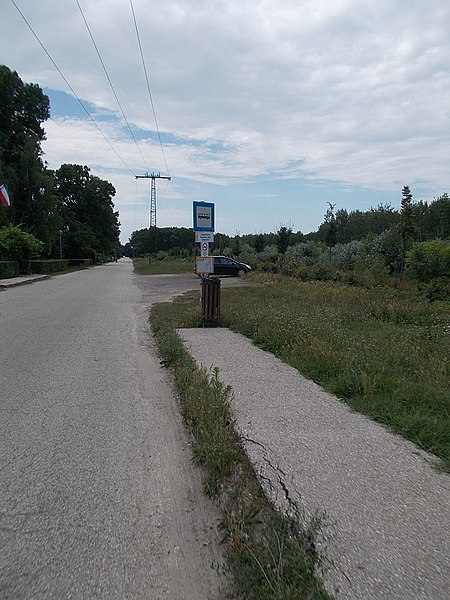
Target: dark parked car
{"type": "Point", "coordinates": [223, 265]}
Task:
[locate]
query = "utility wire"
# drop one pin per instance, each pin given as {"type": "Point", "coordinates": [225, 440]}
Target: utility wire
{"type": "Point", "coordinates": [71, 88]}
{"type": "Point", "coordinates": [148, 86]}
{"type": "Point", "coordinates": [111, 85]}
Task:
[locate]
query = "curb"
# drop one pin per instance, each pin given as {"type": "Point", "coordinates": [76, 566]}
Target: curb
{"type": "Point", "coordinates": [7, 283]}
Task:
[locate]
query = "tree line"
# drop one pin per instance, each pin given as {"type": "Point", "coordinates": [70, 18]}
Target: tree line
{"type": "Point", "coordinates": [424, 221]}
{"type": "Point", "coordinates": [69, 211]}
{"type": "Point", "coordinates": [368, 248]}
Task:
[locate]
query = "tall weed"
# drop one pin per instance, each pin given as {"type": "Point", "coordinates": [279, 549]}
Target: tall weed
{"type": "Point", "coordinates": [387, 353]}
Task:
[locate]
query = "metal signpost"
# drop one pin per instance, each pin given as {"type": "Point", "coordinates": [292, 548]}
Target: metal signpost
{"type": "Point", "coordinates": [203, 213]}
{"type": "Point", "coordinates": [203, 225]}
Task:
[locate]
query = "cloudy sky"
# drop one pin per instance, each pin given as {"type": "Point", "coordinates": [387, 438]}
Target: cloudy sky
{"type": "Point", "coordinates": [268, 108]}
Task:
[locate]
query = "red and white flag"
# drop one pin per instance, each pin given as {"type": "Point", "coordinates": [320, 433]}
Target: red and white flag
{"type": "Point", "coordinates": [4, 196]}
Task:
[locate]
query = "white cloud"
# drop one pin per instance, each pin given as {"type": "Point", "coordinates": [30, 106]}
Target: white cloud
{"type": "Point", "coordinates": [352, 91]}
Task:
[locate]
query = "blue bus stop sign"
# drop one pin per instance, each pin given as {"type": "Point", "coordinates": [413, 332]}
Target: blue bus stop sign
{"type": "Point", "coordinates": [203, 216]}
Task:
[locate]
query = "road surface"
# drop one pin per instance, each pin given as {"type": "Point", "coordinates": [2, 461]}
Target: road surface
{"type": "Point", "coordinates": [98, 494]}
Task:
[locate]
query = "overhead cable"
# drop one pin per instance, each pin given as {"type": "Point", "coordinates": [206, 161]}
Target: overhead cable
{"type": "Point", "coordinates": [71, 88]}
{"type": "Point", "coordinates": [148, 86]}
{"type": "Point", "coordinates": [111, 84]}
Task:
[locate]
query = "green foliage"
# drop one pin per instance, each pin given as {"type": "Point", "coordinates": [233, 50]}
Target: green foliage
{"type": "Point", "coordinates": [370, 270]}
{"type": "Point", "coordinates": [357, 225]}
{"type": "Point", "coordinates": [258, 242]}
{"type": "Point", "coordinates": [19, 245]}
{"type": "Point", "coordinates": [433, 219]}
{"type": "Point", "coordinates": [90, 225]}
{"type": "Point", "coordinates": [428, 260]}
{"type": "Point", "coordinates": [206, 410]}
{"type": "Point", "coordinates": [24, 107]}
{"type": "Point", "coordinates": [275, 561]}
{"type": "Point", "coordinates": [48, 266]}
{"type": "Point", "coordinates": [407, 226]}
{"type": "Point", "coordinates": [8, 268]}
{"type": "Point", "coordinates": [330, 227]}
{"type": "Point", "coordinates": [283, 235]}
{"type": "Point", "coordinates": [42, 202]}
{"type": "Point", "coordinates": [79, 262]}
{"type": "Point", "coordinates": [236, 246]}
{"type": "Point", "coordinates": [173, 240]}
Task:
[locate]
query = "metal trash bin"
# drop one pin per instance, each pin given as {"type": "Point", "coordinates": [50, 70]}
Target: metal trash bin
{"type": "Point", "coordinates": [210, 298]}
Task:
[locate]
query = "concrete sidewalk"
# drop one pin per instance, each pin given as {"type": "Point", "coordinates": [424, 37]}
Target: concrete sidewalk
{"type": "Point", "coordinates": [387, 530]}
{"type": "Point", "coordinates": [21, 280]}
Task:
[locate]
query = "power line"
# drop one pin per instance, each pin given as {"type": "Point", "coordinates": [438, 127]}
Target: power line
{"type": "Point", "coordinates": [148, 86]}
{"type": "Point", "coordinates": [111, 84]}
{"type": "Point", "coordinates": [71, 88]}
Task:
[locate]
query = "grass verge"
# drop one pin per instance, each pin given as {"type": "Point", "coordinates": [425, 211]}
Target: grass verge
{"type": "Point", "coordinates": [146, 266]}
{"type": "Point", "coordinates": [271, 556]}
{"type": "Point", "coordinates": [385, 352]}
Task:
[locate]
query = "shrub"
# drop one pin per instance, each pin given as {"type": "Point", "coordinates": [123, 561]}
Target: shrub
{"type": "Point", "coordinates": [307, 252]}
{"type": "Point", "coordinates": [270, 253]}
{"type": "Point", "coordinates": [18, 244]}
{"type": "Point", "coordinates": [48, 266]}
{"type": "Point", "coordinates": [345, 255]}
{"type": "Point", "coordinates": [8, 268]}
{"type": "Point", "coordinates": [79, 262]}
{"type": "Point", "coordinates": [428, 260]}
{"type": "Point", "coordinates": [371, 270]}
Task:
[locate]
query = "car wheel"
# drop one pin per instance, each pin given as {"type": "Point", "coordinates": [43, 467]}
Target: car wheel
{"type": "Point", "coordinates": [241, 272]}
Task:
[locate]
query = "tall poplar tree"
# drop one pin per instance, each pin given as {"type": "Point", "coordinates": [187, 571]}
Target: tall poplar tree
{"type": "Point", "coordinates": [407, 226]}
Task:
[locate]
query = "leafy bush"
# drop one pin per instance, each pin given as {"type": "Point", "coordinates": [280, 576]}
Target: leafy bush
{"type": "Point", "coordinates": [438, 289]}
{"type": "Point", "coordinates": [371, 270]}
{"type": "Point", "coordinates": [389, 245]}
{"type": "Point", "coordinates": [8, 268]}
{"type": "Point", "coordinates": [19, 245]}
{"type": "Point", "coordinates": [79, 262]}
{"type": "Point", "coordinates": [345, 255]}
{"type": "Point", "coordinates": [428, 260]}
{"type": "Point", "coordinates": [306, 252]}
{"type": "Point", "coordinates": [48, 266]}
{"type": "Point", "coordinates": [270, 253]}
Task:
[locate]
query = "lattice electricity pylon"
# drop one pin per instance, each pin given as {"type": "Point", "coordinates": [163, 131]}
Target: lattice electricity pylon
{"type": "Point", "coordinates": [153, 177]}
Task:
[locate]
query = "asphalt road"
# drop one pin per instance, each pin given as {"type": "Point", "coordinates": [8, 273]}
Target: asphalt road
{"type": "Point", "coordinates": [98, 494]}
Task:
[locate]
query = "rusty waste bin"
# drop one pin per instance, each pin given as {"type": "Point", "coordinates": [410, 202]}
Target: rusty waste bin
{"type": "Point", "coordinates": [210, 299]}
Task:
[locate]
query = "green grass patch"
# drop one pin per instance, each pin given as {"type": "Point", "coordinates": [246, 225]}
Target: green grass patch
{"type": "Point", "coordinates": [386, 353]}
{"type": "Point", "coordinates": [168, 265]}
{"type": "Point", "coordinates": [271, 556]}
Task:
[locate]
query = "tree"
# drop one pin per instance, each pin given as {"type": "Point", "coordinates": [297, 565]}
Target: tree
{"type": "Point", "coordinates": [406, 226]}
{"type": "Point", "coordinates": [90, 225]}
{"type": "Point", "coordinates": [331, 229]}
{"type": "Point", "coordinates": [24, 107]}
{"type": "Point", "coordinates": [283, 235]}
{"type": "Point", "coordinates": [433, 219]}
{"type": "Point", "coordinates": [342, 218]}
{"type": "Point", "coordinates": [236, 245]}
{"type": "Point", "coordinates": [259, 243]}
